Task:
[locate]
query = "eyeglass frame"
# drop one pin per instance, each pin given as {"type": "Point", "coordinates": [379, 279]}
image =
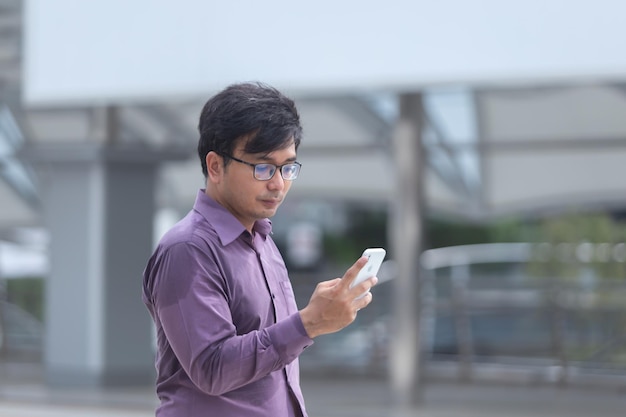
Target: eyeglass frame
{"type": "Point", "coordinates": [277, 168]}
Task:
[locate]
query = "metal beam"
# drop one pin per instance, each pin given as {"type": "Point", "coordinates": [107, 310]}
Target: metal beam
{"type": "Point", "coordinates": [537, 144]}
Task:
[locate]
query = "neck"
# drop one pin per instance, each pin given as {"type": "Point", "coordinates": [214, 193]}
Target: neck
{"type": "Point", "coordinates": [211, 193]}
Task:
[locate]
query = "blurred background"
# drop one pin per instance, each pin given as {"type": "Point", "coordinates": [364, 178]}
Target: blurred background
{"type": "Point", "coordinates": [482, 143]}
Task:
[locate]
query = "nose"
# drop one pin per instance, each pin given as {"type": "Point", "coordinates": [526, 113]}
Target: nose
{"type": "Point", "coordinates": [276, 183]}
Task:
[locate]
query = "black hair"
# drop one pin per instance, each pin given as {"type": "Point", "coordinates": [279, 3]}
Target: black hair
{"type": "Point", "coordinates": [257, 113]}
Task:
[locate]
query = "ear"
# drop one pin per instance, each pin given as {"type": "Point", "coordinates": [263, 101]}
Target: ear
{"type": "Point", "coordinates": [215, 167]}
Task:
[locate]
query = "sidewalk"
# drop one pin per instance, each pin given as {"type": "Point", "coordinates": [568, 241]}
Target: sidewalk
{"type": "Point", "coordinates": [338, 397]}
{"type": "Point", "coordinates": [444, 399]}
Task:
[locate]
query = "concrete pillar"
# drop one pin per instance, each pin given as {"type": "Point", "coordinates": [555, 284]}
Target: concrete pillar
{"type": "Point", "coordinates": [407, 244]}
{"type": "Point", "coordinates": [99, 205]}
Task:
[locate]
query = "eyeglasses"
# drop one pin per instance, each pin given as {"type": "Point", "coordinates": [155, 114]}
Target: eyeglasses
{"type": "Point", "coordinates": [265, 172]}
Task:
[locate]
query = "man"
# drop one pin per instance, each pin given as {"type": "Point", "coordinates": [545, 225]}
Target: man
{"type": "Point", "coordinates": [228, 330]}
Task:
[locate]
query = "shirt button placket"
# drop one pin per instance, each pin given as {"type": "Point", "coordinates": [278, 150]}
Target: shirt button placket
{"type": "Point", "coordinates": [270, 286]}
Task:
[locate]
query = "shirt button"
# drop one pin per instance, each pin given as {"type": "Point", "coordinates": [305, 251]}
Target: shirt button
{"type": "Point", "coordinates": [273, 295]}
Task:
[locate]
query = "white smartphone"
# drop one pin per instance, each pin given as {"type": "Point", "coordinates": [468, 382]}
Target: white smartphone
{"type": "Point", "coordinates": [375, 257]}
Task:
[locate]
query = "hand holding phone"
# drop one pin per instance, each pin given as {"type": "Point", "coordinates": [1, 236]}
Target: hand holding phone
{"type": "Point", "coordinates": [375, 257]}
{"type": "Point", "coordinates": [327, 311]}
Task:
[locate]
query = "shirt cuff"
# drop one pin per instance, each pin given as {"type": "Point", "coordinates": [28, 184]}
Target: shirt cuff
{"type": "Point", "coordinates": [289, 338]}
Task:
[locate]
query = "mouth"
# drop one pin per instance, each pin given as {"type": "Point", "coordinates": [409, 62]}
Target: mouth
{"type": "Point", "coordinates": [271, 202]}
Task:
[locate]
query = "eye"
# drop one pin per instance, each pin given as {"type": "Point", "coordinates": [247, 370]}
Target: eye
{"type": "Point", "coordinates": [290, 170]}
{"type": "Point", "coordinates": [264, 170]}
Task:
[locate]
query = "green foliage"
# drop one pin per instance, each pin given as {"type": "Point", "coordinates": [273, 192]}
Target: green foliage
{"type": "Point", "coordinates": [27, 293]}
{"type": "Point", "coordinates": [564, 236]}
{"type": "Point", "coordinates": [441, 233]}
{"type": "Point", "coordinates": [367, 228]}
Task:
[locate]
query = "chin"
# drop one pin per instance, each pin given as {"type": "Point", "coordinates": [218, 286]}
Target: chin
{"type": "Point", "coordinates": [268, 213]}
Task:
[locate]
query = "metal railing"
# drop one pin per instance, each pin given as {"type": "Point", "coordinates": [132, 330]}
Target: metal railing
{"type": "Point", "coordinates": [483, 310]}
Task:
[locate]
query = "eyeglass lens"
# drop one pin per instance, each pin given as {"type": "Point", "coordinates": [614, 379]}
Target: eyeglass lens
{"type": "Point", "coordinates": [266, 171]}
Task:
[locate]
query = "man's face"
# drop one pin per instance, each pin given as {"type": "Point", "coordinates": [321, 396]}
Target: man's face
{"type": "Point", "coordinates": [248, 198]}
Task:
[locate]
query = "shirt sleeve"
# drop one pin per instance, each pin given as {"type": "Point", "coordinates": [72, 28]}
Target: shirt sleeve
{"type": "Point", "coordinates": [190, 299]}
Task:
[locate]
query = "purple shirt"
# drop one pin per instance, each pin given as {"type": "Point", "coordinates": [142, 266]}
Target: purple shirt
{"type": "Point", "coordinates": [228, 330]}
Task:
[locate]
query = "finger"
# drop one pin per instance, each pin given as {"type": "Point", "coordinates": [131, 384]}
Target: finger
{"type": "Point", "coordinates": [364, 286]}
{"type": "Point", "coordinates": [353, 271]}
{"type": "Point", "coordinates": [363, 301]}
{"type": "Point", "coordinates": [330, 283]}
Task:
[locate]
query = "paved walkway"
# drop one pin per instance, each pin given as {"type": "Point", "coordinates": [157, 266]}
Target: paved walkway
{"type": "Point", "coordinates": [372, 399]}
{"type": "Point", "coordinates": [335, 397]}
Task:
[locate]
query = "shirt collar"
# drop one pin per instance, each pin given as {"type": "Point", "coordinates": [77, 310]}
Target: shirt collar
{"type": "Point", "coordinates": [227, 227]}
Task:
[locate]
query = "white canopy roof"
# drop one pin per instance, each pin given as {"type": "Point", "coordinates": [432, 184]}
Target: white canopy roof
{"type": "Point", "coordinates": [552, 147]}
{"type": "Point", "coordinates": [519, 120]}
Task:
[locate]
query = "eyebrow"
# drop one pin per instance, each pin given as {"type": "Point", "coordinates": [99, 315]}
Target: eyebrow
{"type": "Point", "coordinates": [266, 157]}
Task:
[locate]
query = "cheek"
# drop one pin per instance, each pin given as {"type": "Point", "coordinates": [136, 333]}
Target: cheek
{"type": "Point", "coordinates": [245, 192]}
